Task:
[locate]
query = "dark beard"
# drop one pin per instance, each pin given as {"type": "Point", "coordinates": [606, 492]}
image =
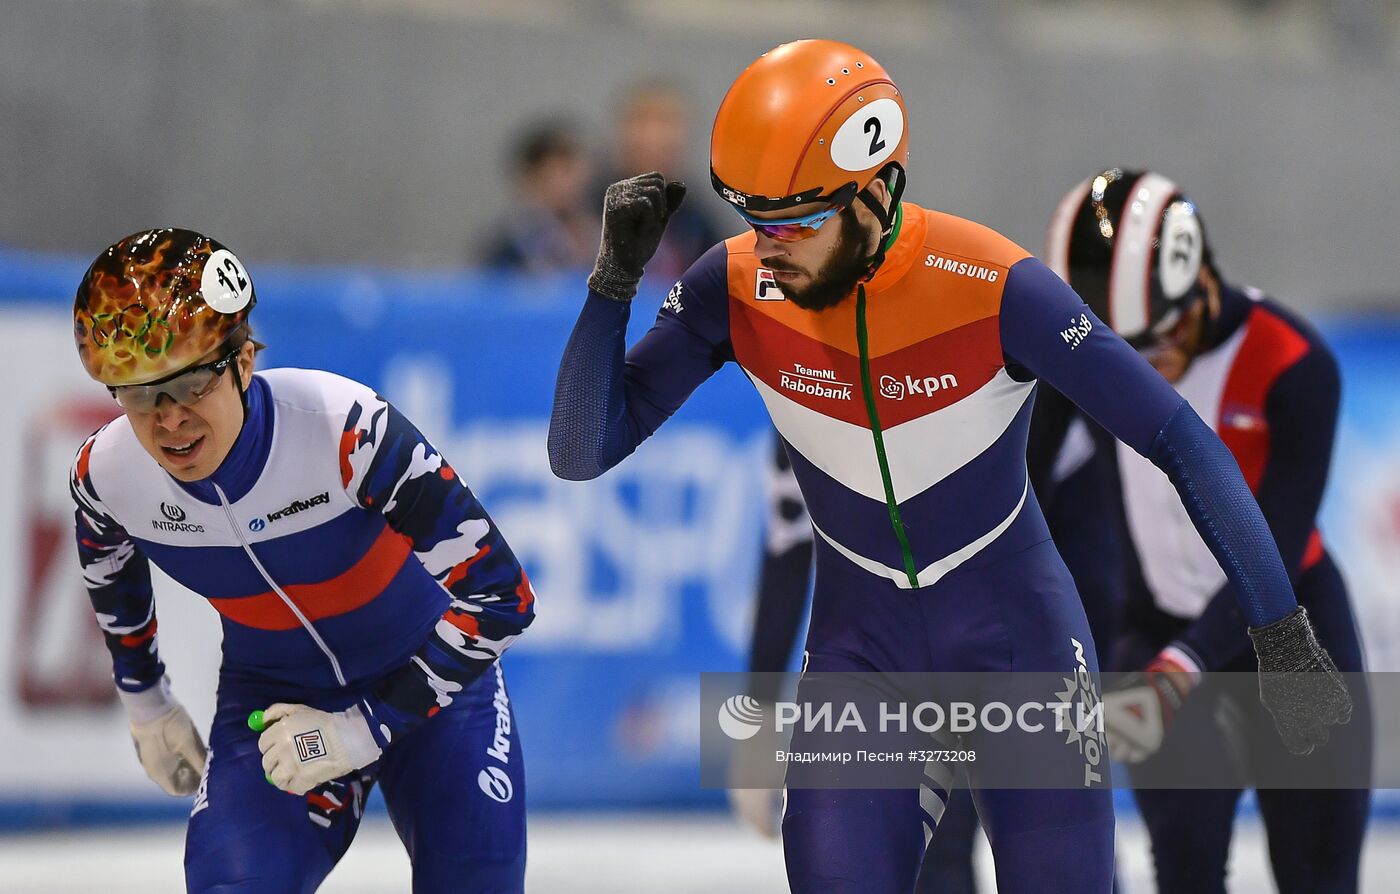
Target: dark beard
{"type": "Point", "coordinates": [837, 278]}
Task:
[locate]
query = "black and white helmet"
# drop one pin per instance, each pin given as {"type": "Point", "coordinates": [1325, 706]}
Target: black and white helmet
{"type": "Point", "coordinates": [1132, 245]}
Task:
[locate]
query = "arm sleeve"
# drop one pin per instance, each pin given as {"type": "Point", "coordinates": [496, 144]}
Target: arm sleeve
{"type": "Point", "coordinates": [1049, 333]}
{"type": "Point", "coordinates": [389, 467]}
{"type": "Point", "coordinates": [606, 404]}
{"type": "Point", "coordinates": [118, 581]}
{"type": "Point", "coordinates": [783, 581]}
{"type": "Point", "coordinates": [1301, 412]}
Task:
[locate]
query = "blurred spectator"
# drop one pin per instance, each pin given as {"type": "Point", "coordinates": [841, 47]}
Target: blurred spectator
{"type": "Point", "coordinates": [554, 223]}
{"type": "Point", "coordinates": [651, 125]}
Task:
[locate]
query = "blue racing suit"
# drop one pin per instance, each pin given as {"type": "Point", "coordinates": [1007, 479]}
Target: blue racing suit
{"type": "Point", "coordinates": [350, 565]}
{"type": "Point", "coordinates": [905, 411]}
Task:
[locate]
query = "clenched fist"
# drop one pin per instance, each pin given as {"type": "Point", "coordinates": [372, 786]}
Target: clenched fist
{"type": "Point", "coordinates": [635, 212]}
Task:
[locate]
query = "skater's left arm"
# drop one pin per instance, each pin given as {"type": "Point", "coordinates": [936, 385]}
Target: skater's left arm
{"type": "Point", "coordinates": [388, 466]}
{"type": "Point", "coordinates": [1047, 332]}
{"type": "Point", "coordinates": [1300, 419]}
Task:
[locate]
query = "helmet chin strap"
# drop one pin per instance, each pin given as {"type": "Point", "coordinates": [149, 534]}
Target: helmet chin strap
{"type": "Point", "coordinates": [886, 218]}
{"type": "Point", "coordinates": [242, 392]}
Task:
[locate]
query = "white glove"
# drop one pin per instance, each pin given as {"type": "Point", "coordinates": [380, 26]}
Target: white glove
{"type": "Point", "coordinates": [752, 762]}
{"type": "Point", "coordinates": [1139, 712]}
{"type": "Point", "coordinates": [167, 743]}
{"type": "Point", "coordinates": [303, 747]}
{"type": "Point", "coordinates": [761, 809]}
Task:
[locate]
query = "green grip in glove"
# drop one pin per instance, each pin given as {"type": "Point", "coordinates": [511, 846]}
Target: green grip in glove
{"type": "Point", "coordinates": [256, 724]}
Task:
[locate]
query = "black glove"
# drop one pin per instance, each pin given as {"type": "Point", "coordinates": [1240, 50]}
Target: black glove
{"type": "Point", "coordinates": [635, 212]}
{"type": "Point", "coordinates": [1298, 682]}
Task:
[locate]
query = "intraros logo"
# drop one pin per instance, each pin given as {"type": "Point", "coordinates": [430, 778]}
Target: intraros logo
{"type": "Point", "coordinates": [174, 521]}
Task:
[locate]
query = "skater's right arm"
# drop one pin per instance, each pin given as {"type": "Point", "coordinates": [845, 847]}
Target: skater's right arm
{"type": "Point", "coordinates": [607, 400]}
{"type": "Point", "coordinates": [118, 580]}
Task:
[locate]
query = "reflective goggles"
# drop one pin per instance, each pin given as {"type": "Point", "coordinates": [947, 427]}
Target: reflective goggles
{"type": "Point", "coordinates": [186, 388]}
{"type": "Point", "coordinates": [792, 229]}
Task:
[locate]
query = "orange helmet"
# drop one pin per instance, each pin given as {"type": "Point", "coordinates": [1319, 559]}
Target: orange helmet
{"type": "Point", "coordinates": [808, 121]}
{"type": "Point", "coordinates": [155, 303]}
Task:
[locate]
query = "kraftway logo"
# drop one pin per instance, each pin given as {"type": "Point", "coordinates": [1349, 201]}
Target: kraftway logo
{"type": "Point", "coordinates": [493, 781]}
{"type": "Point", "coordinates": [293, 508]}
{"type": "Point", "coordinates": [175, 521]}
{"type": "Point", "coordinates": [495, 784]}
{"type": "Point", "coordinates": [816, 382]}
{"type": "Point", "coordinates": [894, 389]}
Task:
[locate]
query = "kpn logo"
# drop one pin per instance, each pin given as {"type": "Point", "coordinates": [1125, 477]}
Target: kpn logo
{"type": "Point", "coordinates": [740, 717]}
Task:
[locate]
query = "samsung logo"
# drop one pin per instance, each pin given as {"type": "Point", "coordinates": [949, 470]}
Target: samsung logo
{"type": "Point", "coordinates": [962, 268]}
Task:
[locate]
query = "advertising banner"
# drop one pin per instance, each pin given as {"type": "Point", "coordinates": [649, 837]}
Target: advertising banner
{"type": "Point", "coordinates": [645, 577]}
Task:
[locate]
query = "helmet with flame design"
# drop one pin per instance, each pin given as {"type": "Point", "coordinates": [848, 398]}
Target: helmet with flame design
{"type": "Point", "coordinates": [157, 302]}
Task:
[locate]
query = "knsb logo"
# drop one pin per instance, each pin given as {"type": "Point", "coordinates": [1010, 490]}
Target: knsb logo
{"type": "Point", "coordinates": [740, 717]}
{"type": "Point", "coordinates": [256, 525]}
{"type": "Point", "coordinates": [927, 386]}
{"type": "Point", "coordinates": [1078, 331]}
{"type": "Point", "coordinates": [496, 784]}
{"type": "Point", "coordinates": [172, 512]}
